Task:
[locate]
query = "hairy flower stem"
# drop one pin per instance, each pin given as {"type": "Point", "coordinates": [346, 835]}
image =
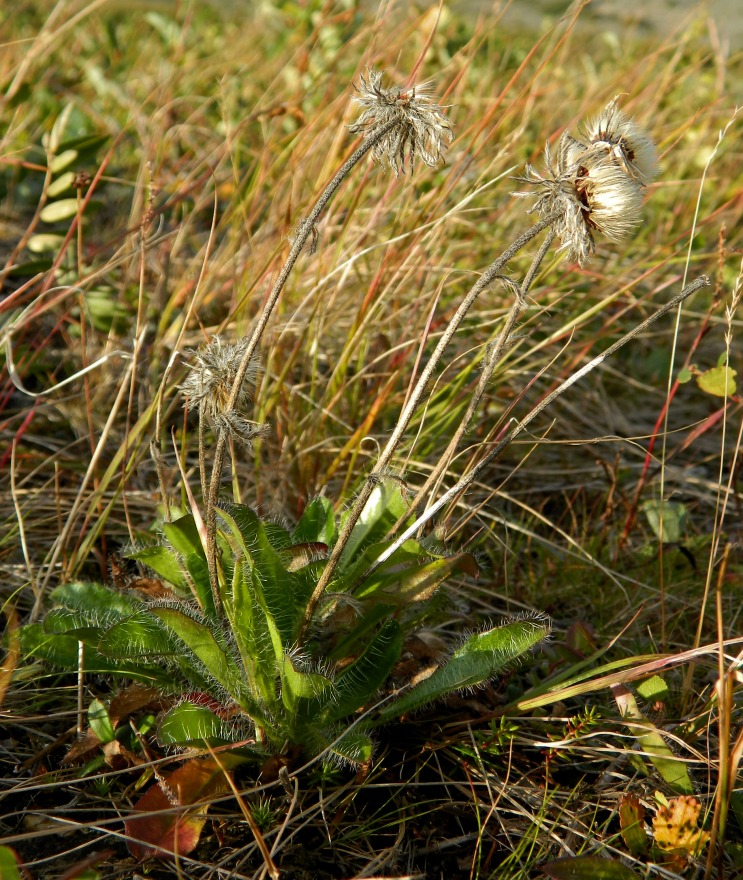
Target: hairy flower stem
{"type": "Point", "coordinates": [486, 279]}
{"type": "Point", "coordinates": [491, 361]}
{"type": "Point", "coordinates": [468, 479]}
{"type": "Point", "coordinates": [306, 229]}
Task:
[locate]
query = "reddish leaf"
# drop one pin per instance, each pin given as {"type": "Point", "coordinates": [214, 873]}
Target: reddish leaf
{"type": "Point", "coordinates": [133, 699]}
{"type": "Point", "coordinates": [83, 750]}
{"type": "Point", "coordinates": [119, 757]}
{"type": "Point", "coordinates": [631, 815]}
{"type": "Point", "coordinates": [169, 822]}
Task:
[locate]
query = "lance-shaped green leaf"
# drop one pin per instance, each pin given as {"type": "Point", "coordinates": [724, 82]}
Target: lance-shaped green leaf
{"type": "Point", "coordinates": [90, 597]}
{"type": "Point", "coordinates": [201, 642]}
{"type": "Point", "coordinates": [64, 651]}
{"type": "Point", "coordinates": [247, 617]}
{"type": "Point", "coordinates": [358, 683]}
{"type": "Point", "coordinates": [183, 536]}
{"type": "Point", "coordinates": [671, 768]}
{"type": "Point", "coordinates": [383, 509]}
{"type": "Point", "coordinates": [140, 635]}
{"type": "Point", "coordinates": [63, 621]}
{"type": "Point", "coordinates": [317, 523]}
{"type": "Point", "coordinates": [477, 660]}
{"type": "Point", "coordinates": [100, 722]}
{"type": "Point", "coordinates": [188, 724]}
{"type": "Point", "coordinates": [416, 583]}
{"type": "Point", "coordinates": [350, 578]}
{"type": "Point", "coordinates": [354, 747]}
{"type": "Point", "coordinates": [276, 585]}
{"type": "Point", "coordinates": [165, 562]}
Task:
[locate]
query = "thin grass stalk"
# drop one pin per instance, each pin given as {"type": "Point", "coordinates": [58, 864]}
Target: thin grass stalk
{"type": "Point", "coordinates": [468, 479]}
{"type": "Point", "coordinates": [486, 279]}
{"type": "Point", "coordinates": [492, 360]}
{"type": "Point", "coordinates": [305, 231]}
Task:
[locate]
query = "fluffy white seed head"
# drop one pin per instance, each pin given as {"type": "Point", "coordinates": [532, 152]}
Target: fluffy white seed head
{"type": "Point", "coordinates": [421, 129]}
{"type": "Point", "coordinates": [589, 192]}
{"type": "Point", "coordinates": [616, 134]}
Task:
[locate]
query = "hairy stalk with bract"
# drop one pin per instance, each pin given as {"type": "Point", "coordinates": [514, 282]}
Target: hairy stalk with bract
{"type": "Point", "coordinates": [399, 126]}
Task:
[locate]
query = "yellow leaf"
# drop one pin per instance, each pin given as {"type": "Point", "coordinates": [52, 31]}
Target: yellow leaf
{"type": "Point", "coordinates": [719, 381]}
{"type": "Point", "coordinates": [676, 829]}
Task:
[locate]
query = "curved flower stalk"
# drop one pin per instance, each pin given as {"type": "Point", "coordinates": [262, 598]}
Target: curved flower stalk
{"type": "Point", "coordinates": [398, 125]}
{"type": "Point", "coordinates": [587, 189]}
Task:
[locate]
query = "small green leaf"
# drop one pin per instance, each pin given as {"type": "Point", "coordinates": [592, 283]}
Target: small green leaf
{"type": "Point", "coordinates": [183, 535]}
{"type": "Point", "coordinates": [317, 523]}
{"type": "Point", "coordinates": [666, 519]}
{"type": "Point", "coordinates": [62, 160]}
{"type": "Point", "coordinates": [354, 747]}
{"type": "Point", "coordinates": [672, 769]}
{"type": "Point", "coordinates": [45, 242]}
{"type": "Point", "coordinates": [719, 381]}
{"type": "Point", "coordinates": [685, 375]}
{"type": "Point", "coordinates": [82, 625]}
{"type": "Point", "coordinates": [416, 583]}
{"type": "Point", "coordinates": [302, 686]}
{"type": "Point", "coordinates": [85, 144]}
{"type": "Point", "coordinates": [64, 651]}
{"type": "Point", "coordinates": [163, 561]}
{"type": "Point", "coordinates": [100, 723]}
{"type": "Point", "coordinates": [200, 640]}
{"type": "Point", "coordinates": [55, 212]}
{"type": "Point", "coordinates": [360, 681]}
{"type": "Point", "coordinates": [383, 509]}
{"type": "Point", "coordinates": [653, 688]}
{"type": "Point", "coordinates": [275, 587]}
{"type": "Point", "coordinates": [61, 184]}
{"type": "Point", "coordinates": [140, 635]}
{"type": "Point", "coordinates": [29, 268]}
{"type": "Point", "coordinates": [188, 724]}
{"type": "Point", "coordinates": [92, 597]}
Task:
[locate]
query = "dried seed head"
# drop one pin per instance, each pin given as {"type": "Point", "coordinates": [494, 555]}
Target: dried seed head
{"type": "Point", "coordinates": [421, 129]}
{"type": "Point", "coordinates": [589, 192]}
{"type": "Point", "coordinates": [629, 145]}
{"type": "Point", "coordinates": [212, 375]}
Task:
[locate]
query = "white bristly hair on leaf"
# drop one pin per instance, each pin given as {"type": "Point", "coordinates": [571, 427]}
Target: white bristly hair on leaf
{"type": "Point", "coordinates": [422, 130]}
